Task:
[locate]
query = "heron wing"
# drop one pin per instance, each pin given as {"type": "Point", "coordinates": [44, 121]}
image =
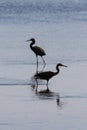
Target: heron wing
{"type": "Point", "coordinates": [39, 51]}
{"type": "Point", "coordinates": [45, 75]}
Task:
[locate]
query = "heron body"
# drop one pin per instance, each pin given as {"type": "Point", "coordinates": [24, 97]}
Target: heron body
{"type": "Point", "coordinates": [37, 50]}
{"type": "Point", "coordinates": [47, 75]}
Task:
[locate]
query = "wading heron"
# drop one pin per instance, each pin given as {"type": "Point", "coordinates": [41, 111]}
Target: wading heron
{"type": "Point", "coordinates": [37, 50]}
{"type": "Point", "coordinates": [47, 75]}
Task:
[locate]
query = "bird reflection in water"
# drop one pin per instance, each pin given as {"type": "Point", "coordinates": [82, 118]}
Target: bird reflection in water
{"type": "Point", "coordinates": [46, 94]}
{"type": "Point", "coordinates": [59, 103]}
{"type": "Point", "coordinates": [49, 95]}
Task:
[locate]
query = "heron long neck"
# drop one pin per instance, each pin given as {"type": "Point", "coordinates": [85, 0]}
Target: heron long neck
{"type": "Point", "coordinates": [32, 43]}
{"type": "Point", "coordinates": [57, 68]}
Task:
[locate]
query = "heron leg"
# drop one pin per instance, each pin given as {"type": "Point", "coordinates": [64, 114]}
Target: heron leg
{"type": "Point", "coordinates": [37, 63]}
{"type": "Point", "coordinates": [47, 85]}
{"type": "Point", "coordinates": [37, 84]}
{"type": "Point", "coordinates": [43, 61]}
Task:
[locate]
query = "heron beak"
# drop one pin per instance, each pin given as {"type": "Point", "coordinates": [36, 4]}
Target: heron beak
{"type": "Point", "coordinates": [27, 40]}
{"type": "Point", "coordinates": [64, 66]}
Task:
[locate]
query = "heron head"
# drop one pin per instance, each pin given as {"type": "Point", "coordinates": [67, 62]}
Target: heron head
{"type": "Point", "coordinates": [32, 39]}
{"type": "Point", "coordinates": [60, 65]}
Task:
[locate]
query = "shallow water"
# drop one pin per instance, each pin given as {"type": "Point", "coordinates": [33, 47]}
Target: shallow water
{"type": "Point", "coordinates": [60, 28]}
{"type": "Point", "coordinates": [22, 109]}
{"type": "Point", "coordinates": [67, 41]}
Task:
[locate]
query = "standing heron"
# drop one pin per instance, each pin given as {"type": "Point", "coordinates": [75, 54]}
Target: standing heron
{"type": "Point", "coordinates": [37, 50]}
{"type": "Point", "coordinates": [47, 75]}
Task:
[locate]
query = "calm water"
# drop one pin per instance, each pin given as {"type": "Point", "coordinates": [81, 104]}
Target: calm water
{"type": "Point", "coordinates": [42, 11]}
{"type": "Point", "coordinates": [60, 28]}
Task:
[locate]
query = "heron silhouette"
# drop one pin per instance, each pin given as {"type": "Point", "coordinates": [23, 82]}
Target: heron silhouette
{"type": "Point", "coordinates": [37, 50]}
{"type": "Point", "coordinates": [47, 75]}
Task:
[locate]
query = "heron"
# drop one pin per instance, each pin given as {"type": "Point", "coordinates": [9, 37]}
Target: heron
{"type": "Point", "coordinates": [47, 75]}
{"type": "Point", "coordinates": [37, 50]}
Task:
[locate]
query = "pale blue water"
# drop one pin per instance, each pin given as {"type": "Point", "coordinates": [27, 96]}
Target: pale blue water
{"type": "Point", "coordinates": [42, 11]}
{"type": "Point", "coordinates": [60, 28]}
